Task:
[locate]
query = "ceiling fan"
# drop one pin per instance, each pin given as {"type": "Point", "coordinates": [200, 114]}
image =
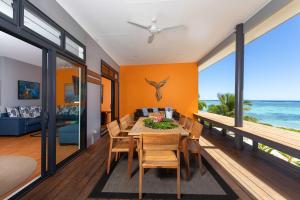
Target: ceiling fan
{"type": "Point", "coordinates": [154, 29]}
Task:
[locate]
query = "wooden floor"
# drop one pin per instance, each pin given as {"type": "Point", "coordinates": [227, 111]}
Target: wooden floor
{"type": "Point", "coordinates": [75, 180]}
{"type": "Point", "coordinates": [31, 147]}
{"type": "Point", "coordinates": [259, 174]}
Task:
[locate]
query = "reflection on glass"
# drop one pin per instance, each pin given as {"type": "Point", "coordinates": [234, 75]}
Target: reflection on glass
{"type": "Point", "coordinates": [68, 90]}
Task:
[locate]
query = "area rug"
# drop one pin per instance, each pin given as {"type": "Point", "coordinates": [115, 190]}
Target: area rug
{"type": "Point", "coordinates": [161, 184]}
{"type": "Point", "coordinates": [14, 170]}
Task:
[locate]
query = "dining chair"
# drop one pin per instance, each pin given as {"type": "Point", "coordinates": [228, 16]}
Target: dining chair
{"type": "Point", "coordinates": [159, 150]}
{"type": "Point", "coordinates": [124, 124]}
{"type": "Point", "coordinates": [188, 124]}
{"type": "Point", "coordinates": [193, 142]}
{"type": "Point", "coordinates": [117, 143]}
{"type": "Point", "coordinates": [130, 120]}
{"type": "Point", "coordinates": [182, 120]}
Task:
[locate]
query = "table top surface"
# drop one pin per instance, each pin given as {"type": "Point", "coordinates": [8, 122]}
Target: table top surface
{"type": "Point", "coordinates": [139, 127]}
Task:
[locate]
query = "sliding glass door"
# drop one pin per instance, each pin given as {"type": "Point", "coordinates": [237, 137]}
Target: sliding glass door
{"type": "Point", "coordinates": [68, 108]}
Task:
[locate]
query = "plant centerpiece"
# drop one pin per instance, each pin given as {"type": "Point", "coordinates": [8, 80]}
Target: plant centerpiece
{"type": "Point", "coordinates": [159, 122]}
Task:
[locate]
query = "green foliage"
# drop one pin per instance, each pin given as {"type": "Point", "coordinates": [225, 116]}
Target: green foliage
{"type": "Point", "coordinates": [226, 106]}
{"type": "Point", "coordinates": [201, 105]}
{"type": "Point", "coordinates": [164, 124]}
{"type": "Point", "coordinates": [290, 129]}
{"type": "Point", "coordinates": [250, 119]}
{"type": "Point", "coordinates": [265, 148]}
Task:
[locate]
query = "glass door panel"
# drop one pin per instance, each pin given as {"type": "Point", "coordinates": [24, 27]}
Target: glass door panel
{"type": "Point", "coordinates": [68, 101]}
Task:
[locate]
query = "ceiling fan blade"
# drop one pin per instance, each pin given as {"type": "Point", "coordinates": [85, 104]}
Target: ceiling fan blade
{"type": "Point", "coordinates": [138, 25]}
{"type": "Point", "coordinates": [173, 27]}
{"type": "Point", "coordinates": [150, 39]}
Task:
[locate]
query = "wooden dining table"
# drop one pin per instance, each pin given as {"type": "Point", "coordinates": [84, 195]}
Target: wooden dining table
{"type": "Point", "coordinates": [139, 127]}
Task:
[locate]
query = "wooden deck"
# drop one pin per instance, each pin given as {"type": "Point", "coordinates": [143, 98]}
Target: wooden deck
{"type": "Point", "coordinates": [252, 175]}
{"type": "Point", "coordinates": [76, 180]}
{"type": "Point", "coordinates": [280, 139]}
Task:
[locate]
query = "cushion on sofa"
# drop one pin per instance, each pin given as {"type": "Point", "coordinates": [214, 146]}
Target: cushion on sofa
{"type": "Point", "coordinates": [25, 112]}
{"type": "Point", "coordinates": [12, 112]}
{"type": "Point", "coordinates": [35, 111]}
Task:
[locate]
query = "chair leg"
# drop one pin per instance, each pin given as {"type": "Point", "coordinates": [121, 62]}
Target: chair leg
{"type": "Point", "coordinates": [201, 168]}
{"type": "Point", "coordinates": [117, 156]}
{"type": "Point", "coordinates": [178, 184]}
{"type": "Point", "coordinates": [109, 158]}
{"type": "Point", "coordinates": [141, 182]}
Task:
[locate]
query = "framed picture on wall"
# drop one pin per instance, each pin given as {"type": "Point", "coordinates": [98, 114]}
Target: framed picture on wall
{"type": "Point", "coordinates": [28, 90]}
{"type": "Point", "coordinates": [70, 95]}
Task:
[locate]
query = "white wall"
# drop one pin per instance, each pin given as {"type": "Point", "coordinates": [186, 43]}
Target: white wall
{"type": "Point", "coordinates": [10, 72]}
{"type": "Point", "coordinates": [94, 55]}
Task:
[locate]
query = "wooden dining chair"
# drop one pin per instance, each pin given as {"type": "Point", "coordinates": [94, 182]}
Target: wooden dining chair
{"type": "Point", "coordinates": [188, 124]}
{"type": "Point", "coordinates": [117, 143]}
{"type": "Point", "coordinates": [182, 120]}
{"type": "Point", "coordinates": [130, 120]}
{"type": "Point", "coordinates": [124, 124]}
{"type": "Point", "coordinates": [193, 142]}
{"type": "Point", "coordinates": [159, 150]}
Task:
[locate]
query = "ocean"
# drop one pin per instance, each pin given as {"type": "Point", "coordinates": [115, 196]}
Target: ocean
{"type": "Point", "coordinates": [277, 113]}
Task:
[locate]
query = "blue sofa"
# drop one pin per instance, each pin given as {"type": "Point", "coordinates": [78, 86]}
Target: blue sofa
{"type": "Point", "coordinates": [68, 134]}
{"type": "Point", "coordinates": [18, 126]}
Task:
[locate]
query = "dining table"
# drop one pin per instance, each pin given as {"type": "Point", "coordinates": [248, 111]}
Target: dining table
{"type": "Point", "coordinates": [139, 127]}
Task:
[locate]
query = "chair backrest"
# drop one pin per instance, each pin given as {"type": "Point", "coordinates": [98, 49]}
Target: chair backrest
{"type": "Point", "coordinates": [160, 141]}
{"type": "Point", "coordinates": [182, 120]}
{"type": "Point", "coordinates": [129, 119]}
{"type": "Point", "coordinates": [123, 122]}
{"type": "Point", "coordinates": [188, 124]}
{"type": "Point", "coordinates": [113, 128]}
{"type": "Point", "coordinates": [196, 130]}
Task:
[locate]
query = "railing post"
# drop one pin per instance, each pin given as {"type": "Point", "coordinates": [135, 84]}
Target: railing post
{"type": "Point", "coordinates": [239, 82]}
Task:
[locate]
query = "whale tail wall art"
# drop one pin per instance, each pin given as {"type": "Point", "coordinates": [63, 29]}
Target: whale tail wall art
{"type": "Point", "coordinates": [157, 86]}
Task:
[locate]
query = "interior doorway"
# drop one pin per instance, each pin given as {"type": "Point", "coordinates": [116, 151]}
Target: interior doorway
{"type": "Point", "coordinates": [109, 95]}
{"type": "Point", "coordinates": [106, 101]}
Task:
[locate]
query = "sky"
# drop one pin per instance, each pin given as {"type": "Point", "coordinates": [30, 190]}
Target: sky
{"type": "Point", "coordinates": [272, 67]}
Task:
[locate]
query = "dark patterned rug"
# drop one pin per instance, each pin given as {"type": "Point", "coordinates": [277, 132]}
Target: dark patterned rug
{"type": "Point", "coordinates": [161, 184]}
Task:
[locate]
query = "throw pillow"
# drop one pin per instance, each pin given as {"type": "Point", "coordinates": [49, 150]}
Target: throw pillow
{"type": "Point", "coordinates": [145, 112]}
{"type": "Point", "coordinates": [155, 110]}
{"type": "Point", "coordinates": [25, 112]}
{"type": "Point", "coordinates": [35, 111]}
{"type": "Point", "coordinates": [12, 112]}
{"type": "Point", "coordinates": [74, 110]}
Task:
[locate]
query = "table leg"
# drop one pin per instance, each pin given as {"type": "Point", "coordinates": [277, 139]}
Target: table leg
{"type": "Point", "coordinates": [186, 156]}
{"type": "Point", "coordinates": [130, 155]}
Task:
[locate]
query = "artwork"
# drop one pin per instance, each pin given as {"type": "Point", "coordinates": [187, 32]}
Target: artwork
{"type": "Point", "coordinates": [28, 90]}
{"type": "Point", "coordinates": [157, 86]}
{"type": "Point", "coordinates": [72, 90]}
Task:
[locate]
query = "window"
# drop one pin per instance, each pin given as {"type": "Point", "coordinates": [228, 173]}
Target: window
{"type": "Point", "coordinates": [272, 80]}
{"type": "Point", "coordinates": [6, 7]}
{"type": "Point", "coordinates": [217, 81]}
{"type": "Point", "coordinates": [74, 48]}
{"type": "Point", "coordinates": [41, 27]}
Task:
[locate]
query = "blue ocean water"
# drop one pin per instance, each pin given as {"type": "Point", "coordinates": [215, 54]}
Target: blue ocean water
{"type": "Point", "coordinates": [277, 113]}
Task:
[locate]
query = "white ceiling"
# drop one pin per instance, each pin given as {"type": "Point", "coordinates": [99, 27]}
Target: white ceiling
{"type": "Point", "coordinates": [17, 49]}
{"type": "Point", "coordinates": [208, 22]}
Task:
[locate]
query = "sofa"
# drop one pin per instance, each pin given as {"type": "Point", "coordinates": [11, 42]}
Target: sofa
{"type": "Point", "coordinates": [68, 134]}
{"type": "Point", "coordinates": [139, 113]}
{"type": "Point", "coordinates": [18, 126]}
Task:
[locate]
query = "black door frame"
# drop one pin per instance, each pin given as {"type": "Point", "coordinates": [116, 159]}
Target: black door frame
{"type": "Point", "coordinates": [114, 81]}
{"type": "Point", "coordinates": [14, 27]}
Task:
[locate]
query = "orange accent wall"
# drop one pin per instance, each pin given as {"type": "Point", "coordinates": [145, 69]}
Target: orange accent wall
{"type": "Point", "coordinates": [180, 92]}
{"type": "Point", "coordinates": [105, 106]}
{"type": "Point", "coordinates": [64, 76]}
